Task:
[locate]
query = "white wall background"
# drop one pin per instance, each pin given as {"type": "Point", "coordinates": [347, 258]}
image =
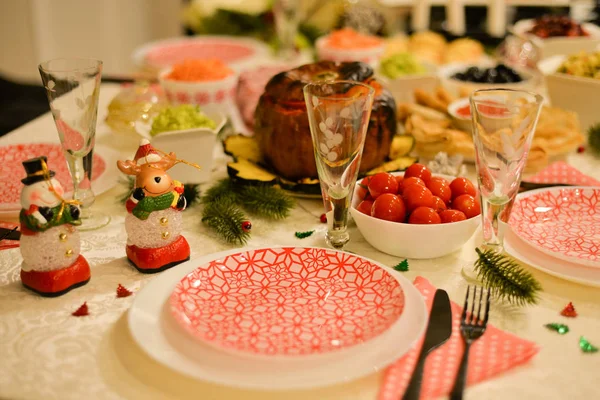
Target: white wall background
{"type": "Point", "coordinates": [32, 31]}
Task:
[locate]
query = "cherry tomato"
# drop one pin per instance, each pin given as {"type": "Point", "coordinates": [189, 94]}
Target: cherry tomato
{"type": "Point", "coordinates": [381, 183]}
{"type": "Point", "coordinates": [365, 206]}
{"type": "Point", "coordinates": [460, 186]}
{"type": "Point", "coordinates": [363, 188]}
{"type": "Point", "coordinates": [467, 204]}
{"type": "Point", "coordinates": [424, 215]}
{"type": "Point", "coordinates": [448, 216]}
{"type": "Point", "coordinates": [418, 171]}
{"type": "Point", "coordinates": [417, 196]}
{"type": "Point", "coordinates": [441, 188]}
{"type": "Point", "coordinates": [389, 207]}
{"type": "Point", "coordinates": [438, 204]}
{"type": "Point", "coordinates": [406, 182]}
{"type": "Point", "coordinates": [400, 180]}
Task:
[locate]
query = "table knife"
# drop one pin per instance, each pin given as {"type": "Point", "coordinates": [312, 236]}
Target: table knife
{"type": "Point", "coordinates": [439, 329]}
{"type": "Point", "coordinates": [9, 234]}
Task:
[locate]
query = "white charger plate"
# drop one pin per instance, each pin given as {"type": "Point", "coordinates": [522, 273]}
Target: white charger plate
{"type": "Point", "coordinates": [153, 328]}
{"type": "Point", "coordinates": [520, 250]}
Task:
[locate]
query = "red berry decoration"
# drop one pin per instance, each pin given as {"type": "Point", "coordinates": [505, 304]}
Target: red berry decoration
{"type": "Point", "coordinates": [580, 149]}
{"type": "Point", "coordinates": [323, 218]}
{"type": "Point", "coordinates": [122, 291]}
{"type": "Point", "coordinates": [82, 311]}
{"type": "Point", "coordinates": [246, 226]}
{"type": "Point", "coordinates": [569, 311]}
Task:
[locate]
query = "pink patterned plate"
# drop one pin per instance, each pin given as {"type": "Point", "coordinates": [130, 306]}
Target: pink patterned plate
{"type": "Point", "coordinates": [287, 301]}
{"type": "Point", "coordinates": [561, 222]}
{"type": "Point", "coordinates": [11, 169]}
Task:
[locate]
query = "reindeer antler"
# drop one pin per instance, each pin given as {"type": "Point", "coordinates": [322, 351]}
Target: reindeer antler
{"type": "Point", "coordinates": [128, 167]}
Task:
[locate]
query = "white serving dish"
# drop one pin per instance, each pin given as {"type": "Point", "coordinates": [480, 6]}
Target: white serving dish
{"type": "Point", "coordinates": [574, 93]}
{"type": "Point", "coordinates": [559, 45]}
{"type": "Point", "coordinates": [403, 87]}
{"type": "Point", "coordinates": [370, 55]}
{"type": "Point", "coordinates": [194, 145]}
{"type": "Point", "coordinates": [456, 87]}
{"type": "Point", "coordinates": [213, 96]}
{"type": "Point", "coordinates": [154, 330]}
{"type": "Point", "coordinates": [250, 51]}
{"type": "Point", "coordinates": [411, 240]}
{"type": "Point", "coordinates": [461, 122]}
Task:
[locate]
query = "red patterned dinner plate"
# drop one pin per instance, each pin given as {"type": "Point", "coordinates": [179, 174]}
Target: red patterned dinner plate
{"type": "Point", "coordinates": [287, 301]}
{"type": "Point", "coordinates": [561, 222]}
{"type": "Point", "coordinates": [11, 169]}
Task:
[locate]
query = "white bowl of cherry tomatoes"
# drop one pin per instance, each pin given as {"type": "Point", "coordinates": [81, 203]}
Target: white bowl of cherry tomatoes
{"type": "Point", "coordinates": [415, 214]}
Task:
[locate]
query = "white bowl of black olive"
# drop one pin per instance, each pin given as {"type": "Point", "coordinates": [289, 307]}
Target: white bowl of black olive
{"type": "Point", "coordinates": [462, 79]}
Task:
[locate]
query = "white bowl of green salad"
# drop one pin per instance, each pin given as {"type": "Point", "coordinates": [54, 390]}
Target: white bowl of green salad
{"type": "Point", "coordinates": [402, 73]}
{"type": "Point", "coordinates": [191, 134]}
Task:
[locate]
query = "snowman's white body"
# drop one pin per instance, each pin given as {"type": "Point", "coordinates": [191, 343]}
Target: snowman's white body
{"type": "Point", "coordinates": [158, 230]}
{"type": "Point", "coordinates": [55, 248]}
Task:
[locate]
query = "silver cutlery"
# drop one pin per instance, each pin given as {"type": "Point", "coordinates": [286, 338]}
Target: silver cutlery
{"type": "Point", "coordinates": [472, 327]}
{"type": "Point", "coordinates": [439, 329]}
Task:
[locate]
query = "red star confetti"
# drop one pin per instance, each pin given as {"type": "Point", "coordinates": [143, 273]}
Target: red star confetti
{"type": "Point", "coordinates": [82, 311]}
{"type": "Point", "coordinates": [122, 291]}
{"type": "Point", "coordinates": [569, 311]}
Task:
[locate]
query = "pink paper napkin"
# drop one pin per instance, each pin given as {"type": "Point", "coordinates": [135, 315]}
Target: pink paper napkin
{"type": "Point", "coordinates": [495, 352]}
{"type": "Point", "coordinates": [561, 172]}
{"type": "Point", "coordinates": [8, 244]}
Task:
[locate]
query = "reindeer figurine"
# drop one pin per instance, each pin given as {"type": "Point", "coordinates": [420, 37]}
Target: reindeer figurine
{"type": "Point", "coordinates": [153, 222]}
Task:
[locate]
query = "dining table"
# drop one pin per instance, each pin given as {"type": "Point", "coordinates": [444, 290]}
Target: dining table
{"type": "Point", "coordinates": [46, 353]}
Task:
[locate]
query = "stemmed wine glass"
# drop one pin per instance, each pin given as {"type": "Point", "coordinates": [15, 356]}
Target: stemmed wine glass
{"type": "Point", "coordinates": [73, 86]}
{"type": "Point", "coordinates": [504, 123]}
{"type": "Point", "coordinates": [338, 113]}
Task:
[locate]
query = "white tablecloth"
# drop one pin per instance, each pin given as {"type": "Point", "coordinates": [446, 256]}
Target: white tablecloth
{"type": "Point", "coordinates": [45, 353]}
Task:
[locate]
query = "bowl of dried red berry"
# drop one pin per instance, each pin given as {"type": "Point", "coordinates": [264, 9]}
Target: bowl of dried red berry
{"type": "Point", "coordinates": [416, 214]}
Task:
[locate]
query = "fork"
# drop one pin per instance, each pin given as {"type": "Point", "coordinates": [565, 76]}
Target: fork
{"type": "Point", "coordinates": [471, 328]}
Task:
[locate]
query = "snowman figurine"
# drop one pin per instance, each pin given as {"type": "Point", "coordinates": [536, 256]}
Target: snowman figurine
{"type": "Point", "coordinates": [49, 242]}
{"type": "Point", "coordinates": [153, 222]}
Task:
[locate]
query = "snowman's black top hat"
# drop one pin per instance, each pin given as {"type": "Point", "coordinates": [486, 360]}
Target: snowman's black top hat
{"type": "Point", "coordinates": [35, 171]}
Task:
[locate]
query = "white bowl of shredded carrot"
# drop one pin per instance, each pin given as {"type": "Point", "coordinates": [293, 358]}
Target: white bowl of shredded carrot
{"type": "Point", "coordinates": [349, 45]}
{"type": "Point", "coordinates": [210, 84]}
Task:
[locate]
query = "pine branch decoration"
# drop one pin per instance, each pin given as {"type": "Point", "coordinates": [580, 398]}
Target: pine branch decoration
{"type": "Point", "coordinates": [223, 190]}
{"type": "Point", "coordinates": [226, 219]}
{"type": "Point", "coordinates": [266, 201]}
{"type": "Point", "coordinates": [594, 137]}
{"type": "Point", "coordinates": [506, 278]}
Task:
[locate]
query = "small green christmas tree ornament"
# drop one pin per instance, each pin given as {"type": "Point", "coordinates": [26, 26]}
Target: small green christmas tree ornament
{"type": "Point", "coordinates": [302, 235]}
{"type": "Point", "coordinates": [561, 329]}
{"type": "Point", "coordinates": [586, 346]}
{"type": "Point", "coordinates": [402, 266]}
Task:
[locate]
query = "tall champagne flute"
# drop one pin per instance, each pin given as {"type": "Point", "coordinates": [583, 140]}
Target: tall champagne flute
{"type": "Point", "coordinates": [72, 87]}
{"type": "Point", "coordinates": [504, 123]}
{"type": "Point", "coordinates": [338, 113]}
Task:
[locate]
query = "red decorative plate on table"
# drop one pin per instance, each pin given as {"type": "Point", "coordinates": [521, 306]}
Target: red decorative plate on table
{"type": "Point", "coordinates": [11, 170]}
{"type": "Point", "coordinates": [287, 301]}
{"type": "Point", "coordinates": [561, 222]}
